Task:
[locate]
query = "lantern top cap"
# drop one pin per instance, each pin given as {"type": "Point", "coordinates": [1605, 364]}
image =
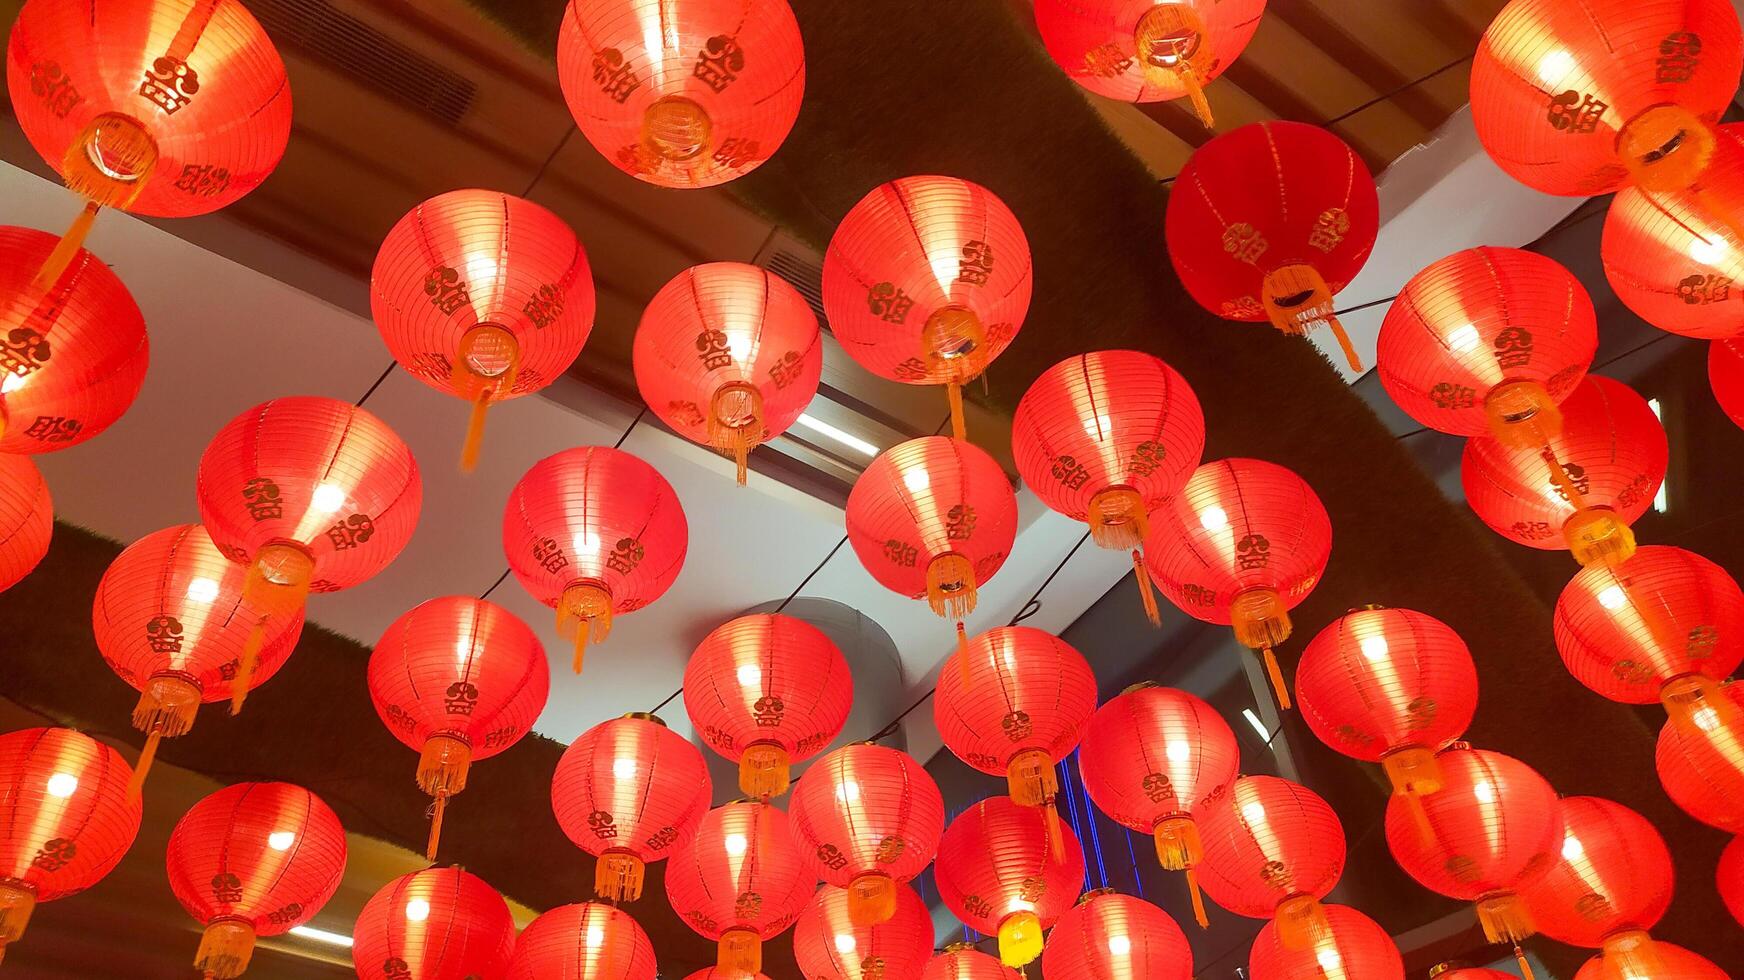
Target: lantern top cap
{"type": "Point", "coordinates": [645, 716]}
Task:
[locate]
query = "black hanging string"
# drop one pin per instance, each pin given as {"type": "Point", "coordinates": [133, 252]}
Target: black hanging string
{"type": "Point", "coordinates": [1034, 605]}
{"type": "Point", "coordinates": [500, 580]}
{"type": "Point", "coordinates": [633, 423]}
{"type": "Point", "coordinates": [378, 383]}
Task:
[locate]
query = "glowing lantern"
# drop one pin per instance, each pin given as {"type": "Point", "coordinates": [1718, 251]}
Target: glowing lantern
{"type": "Point", "coordinates": [1106, 438]}
{"type": "Point", "coordinates": [586, 941]}
{"type": "Point", "coordinates": [1354, 947]}
{"type": "Point", "coordinates": [1017, 709]}
{"type": "Point", "coordinates": [997, 873]}
{"type": "Point", "coordinates": [926, 281]}
{"type": "Point", "coordinates": [739, 880]}
{"type": "Point", "coordinates": [460, 680]}
{"type": "Point", "coordinates": [1729, 876]}
{"type": "Point", "coordinates": [1702, 769]}
{"type": "Point", "coordinates": [1242, 544]}
{"type": "Point", "coordinates": [593, 533]}
{"type": "Point", "coordinates": [1672, 963]}
{"type": "Point", "coordinates": [1488, 340]}
{"type": "Point", "coordinates": [1269, 222]}
{"type": "Point", "coordinates": [1148, 758]}
{"type": "Point", "coordinates": [67, 819]}
{"type": "Point", "coordinates": [716, 973]}
{"type": "Point", "coordinates": [1273, 849]}
{"type": "Point", "coordinates": [767, 691]}
{"type": "Point", "coordinates": [482, 296]}
{"type": "Point", "coordinates": [170, 619]}
{"type": "Point", "coordinates": [961, 961]}
{"type": "Point", "coordinates": [1147, 52]}
{"type": "Point", "coordinates": [253, 859]}
{"type": "Point", "coordinates": [1726, 377]}
{"type": "Point", "coordinates": [1459, 971]}
{"type": "Point", "coordinates": [829, 945]}
{"type": "Point", "coordinates": [1581, 489]}
{"type": "Point", "coordinates": [1612, 883]}
{"type": "Point", "coordinates": [627, 791]}
{"type": "Point", "coordinates": [1110, 935]}
{"type": "Point", "coordinates": [728, 355]}
{"type": "Point", "coordinates": [933, 517]}
{"type": "Point", "coordinates": [26, 519]}
{"type": "Point", "coordinates": [435, 924]}
{"type": "Point", "coordinates": [682, 93]}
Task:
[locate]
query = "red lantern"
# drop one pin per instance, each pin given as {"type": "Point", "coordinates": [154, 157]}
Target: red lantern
{"type": "Point", "coordinates": [961, 961]}
{"type": "Point", "coordinates": [1726, 377]}
{"type": "Point", "coordinates": [586, 941]}
{"type": "Point", "coordinates": [728, 356]}
{"type": "Point", "coordinates": [716, 973]}
{"type": "Point", "coordinates": [766, 691]}
{"type": "Point", "coordinates": [997, 873]}
{"type": "Point", "coordinates": [1702, 767]}
{"type": "Point", "coordinates": [1273, 849]}
{"type": "Point", "coordinates": [1454, 971]}
{"type": "Point", "coordinates": [1017, 708]}
{"type": "Point", "coordinates": [1269, 222]}
{"type": "Point", "coordinates": [1354, 947]}
{"type": "Point", "coordinates": [253, 859]}
{"type": "Point", "coordinates": [934, 518]}
{"type": "Point", "coordinates": [482, 296]}
{"type": "Point", "coordinates": [1242, 544]}
{"type": "Point", "coordinates": [739, 880]}
{"type": "Point", "coordinates": [1110, 935]}
{"type": "Point", "coordinates": [1581, 489]}
{"type": "Point", "coordinates": [1145, 52]}
{"type": "Point", "coordinates": [460, 680]}
{"type": "Point", "coordinates": [1106, 438]}
{"type": "Point", "coordinates": [1673, 963]}
{"type": "Point", "coordinates": [627, 791]}
{"type": "Point", "coordinates": [682, 93]}
{"type": "Point", "coordinates": [67, 819]}
{"type": "Point", "coordinates": [26, 519]}
{"type": "Point", "coordinates": [435, 924]}
{"type": "Point", "coordinates": [868, 818]}
{"type": "Point", "coordinates": [1612, 883]}
{"type": "Point", "coordinates": [1729, 876]}
{"type": "Point", "coordinates": [594, 532]}
{"type": "Point", "coordinates": [829, 945]}
{"type": "Point", "coordinates": [926, 281]}
{"type": "Point", "coordinates": [1148, 758]}
{"type": "Point", "coordinates": [1488, 340]}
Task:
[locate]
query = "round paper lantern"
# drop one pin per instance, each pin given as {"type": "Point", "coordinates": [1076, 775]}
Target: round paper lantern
{"type": "Point", "coordinates": [482, 296]}
{"type": "Point", "coordinates": [716, 973]}
{"type": "Point", "coordinates": [1354, 947]}
{"type": "Point", "coordinates": [1670, 963]}
{"type": "Point", "coordinates": [1109, 935]}
{"type": "Point", "coordinates": [739, 881]}
{"type": "Point", "coordinates": [1581, 489]}
{"type": "Point", "coordinates": [1148, 758]}
{"type": "Point", "coordinates": [926, 281]}
{"type": "Point", "coordinates": [728, 355]}
{"type": "Point", "coordinates": [997, 874]}
{"type": "Point", "coordinates": [1582, 99]}
{"type": "Point", "coordinates": [586, 941]}
{"type": "Point", "coordinates": [1459, 971]}
{"type": "Point", "coordinates": [1273, 849]}
{"type": "Point", "coordinates": [1106, 438]}
{"type": "Point", "coordinates": [961, 961]}
{"type": "Point", "coordinates": [933, 517]}
{"type": "Point", "coordinates": [766, 691]}
{"type": "Point", "coordinates": [593, 533]}
{"type": "Point", "coordinates": [1729, 876]}
{"type": "Point", "coordinates": [1269, 222]}
{"type": "Point", "coordinates": [1242, 544]}
{"type": "Point", "coordinates": [1488, 340]}
{"type": "Point", "coordinates": [435, 924]}
{"type": "Point", "coordinates": [460, 680]}
{"type": "Point", "coordinates": [1493, 828]}
{"type": "Point", "coordinates": [1144, 52]}
{"type": "Point", "coordinates": [682, 93]}
{"type": "Point", "coordinates": [1726, 377]}
{"type": "Point", "coordinates": [868, 818]}
{"type": "Point", "coordinates": [627, 791]}
{"type": "Point", "coordinates": [26, 519]}
{"type": "Point", "coordinates": [67, 820]}
{"type": "Point", "coordinates": [253, 859]}
{"type": "Point", "coordinates": [1702, 769]}
{"type": "Point", "coordinates": [1614, 876]}
{"type": "Point", "coordinates": [829, 945]}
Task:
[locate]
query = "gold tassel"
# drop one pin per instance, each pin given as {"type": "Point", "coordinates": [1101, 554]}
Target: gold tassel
{"type": "Point", "coordinates": [1522, 415]}
{"type": "Point", "coordinates": [1301, 921]}
{"type": "Point", "coordinates": [1170, 39]}
{"type": "Point", "coordinates": [143, 766]}
{"type": "Point", "coordinates": [1178, 845]}
{"type": "Point", "coordinates": [1189, 79]}
{"type": "Point", "coordinates": [277, 585]}
{"type": "Point", "coordinates": [1666, 148]}
{"type": "Point", "coordinates": [165, 709]}
{"type": "Point", "coordinates": [1020, 938]}
{"type": "Point", "coordinates": [950, 585]}
{"type": "Point", "coordinates": [1117, 519]}
{"type": "Point", "coordinates": [1525, 967]}
{"type": "Point", "coordinates": [225, 949]}
{"type": "Point", "coordinates": [56, 264]}
{"type": "Point", "coordinates": [735, 422]}
{"type": "Point", "coordinates": [1414, 774]}
{"type": "Point", "coordinates": [485, 366]}
{"type": "Point", "coordinates": [1296, 298]}
{"type": "Point", "coordinates": [965, 669]}
{"type": "Point", "coordinates": [1598, 536]}
{"type": "Point", "coordinates": [443, 764]}
{"type": "Point", "coordinates": [871, 899]}
{"type": "Point", "coordinates": [586, 608]}
{"type": "Point", "coordinates": [1146, 593]}
{"type": "Point", "coordinates": [954, 394]}
{"type": "Point", "coordinates": [436, 810]}
{"type": "Point", "coordinates": [1199, 915]}
{"type": "Point", "coordinates": [764, 770]}
{"type": "Point", "coordinates": [1030, 778]}
{"type": "Point", "coordinates": [245, 664]}
{"type": "Point", "coordinates": [618, 876]}
{"type": "Point", "coordinates": [1505, 918]}
{"type": "Point", "coordinates": [1056, 839]}
{"type": "Point", "coordinates": [739, 953]}
{"type": "Point", "coordinates": [469, 449]}
{"type": "Point", "coordinates": [17, 901]}
{"type": "Point", "coordinates": [1350, 355]}
{"type": "Point", "coordinates": [1276, 673]}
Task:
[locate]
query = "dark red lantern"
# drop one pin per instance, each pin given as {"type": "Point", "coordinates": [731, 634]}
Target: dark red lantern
{"type": "Point", "coordinates": [482, 296]}
{"type": "Point", "coordinates": [1106, 438]}
{"type": "Point", "coordinates": [1456, 971]}
{"type": "Point", "coordinates": [586, 941]}
{"type": "Point", "coordinates": [739, 881]}
{"type": "Point", "coordinates": [1353, 947]}
{"type": "Point", "coordinates": [766, 691]}
{"type": "Point", "coordinates": [682, 93]}
{"type": "Point", "coordinates": [1612, 882]}
{"type": "Point", "coordinates": [435, 924]}
{"type": "Point", "coordinates": [627, 791]}
{"type": "Point", "coordinates": [1269, 222]}
{"type": "Point", "coordinates": [1110, 935]}
{"type": "Point", "coordinates": [926, 281]}
{"type": "Point", "coordinates": [594, 533]}
{"type": "Point", "coordinates": [67, 821]}
{"type": "Point", "coordinates": [716, 973]}
{"type": "Point", "coordinates": [1273, 849]}
{"type": "Point", "coordinates": [961, 961]}
{"type": "Point", "coordinates": [26, 518]}
{"type": "Point", "coordinates": [1702, 766]}
{"type": "Point", "coordinates": [1729, 876]}
{"type": "Point", "coordinates": [1242, 544]}
{"type": "Point", "coordinates": [728, 355]}
{"type": "Point", "coordinates": [1669, 963]}
{"type": "Point", "coordinates": [997, 873]}
{"type": "Point", "coordinates": [829, 945]}
{"type": "Point", "coordinates": [460, 680]}
{"type": "Point", "coordinates": [1726, 377]}
{"type": "Point", "coordinates": [253, 859]}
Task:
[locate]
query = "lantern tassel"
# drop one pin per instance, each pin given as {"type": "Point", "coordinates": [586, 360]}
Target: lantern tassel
{"type": "Point", "coordinates": [764, 770]}
{"type": "Point", "coordinates": [485, 365]}
{"type": "Point", "coordinates": [1188, 76]}
{"type": "Point", "coordinates": [166, 708]}
{"type": "Point", "coordinates": [443, 764]}
{"type": "Point", "coordinates": [739, 953]}
{"type": "Point", "coordinates": [735, 423]}
{"type": "Point", "coordinates": [618, 876]}
{"type": "Point", "coordinates": [17, 900]}
{"type": "Point", "coordinates": [1178, 844]}
{"type": "Point", "coordinates": [225, 949]}
{"type": "Point", "coordinates": [1301, 922]}
{"type": "Point", "coordinates": [1020, 939]}
{"type": "Point", "coordinates": [1525, 967]}
{"type": "Point", "coordinates": [1276, 673]}
{"type": "Point", "coordinates": [1350, 355]}
{"type": "Point", "coordinates": [950, 585]}
{"type": "Point", "coordinates": [436, 810]}
{"type": "Point", "coordinates": [954, 394]}
{"type": "Point", "coordinates": [1117, 519]}
{"type": "Point", "coordinates": [245, 665]}
{"type": "Point", "coordinates": [1056, 839]}
{"type": "Point", "coordinates": [965, 671]}
{"type": "Point", "coordinates": [1146, 592]}
{"type": "Point", "coordinates": [585, 608]}
{"type": "Point", "coordinates": [871, 900]}
{"type": "Point", "coordinates": [1505, 918]}
{"type": "Point", "coordinates": [136, 782]}
{"type": "Point", "coordinates": [56, 264]}
{"type": "Point", "coordinates": [1199, 915]}
{"type": "Point", "coordinates": [1522, 415]}
{"type": "Point", "coordinates": [1030, 778]}
{"type": "Point", "coordinates": [277, 585]}
{"type": "Point", "coordinates": [474, 431]}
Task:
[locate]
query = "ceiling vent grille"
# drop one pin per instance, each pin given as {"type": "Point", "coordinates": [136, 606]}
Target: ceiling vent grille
{"type": "Point", "coordinates": [788, 258]}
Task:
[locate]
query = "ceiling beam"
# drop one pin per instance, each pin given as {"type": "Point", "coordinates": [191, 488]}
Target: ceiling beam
{"type": "Point", "coordinates": [1282, 101]}
{"type": "Point", "coordinates": [1356, 57]}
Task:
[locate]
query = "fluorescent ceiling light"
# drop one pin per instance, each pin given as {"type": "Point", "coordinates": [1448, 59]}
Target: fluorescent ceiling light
{"type": "Point", "coordinates": [321, 936]}
{"type": "Point", "coordinates": [1660, 500]}
{"type": "Point", "coordinates": [1258, 725]}
{"type": "Point", "coordinates": [848, 439]}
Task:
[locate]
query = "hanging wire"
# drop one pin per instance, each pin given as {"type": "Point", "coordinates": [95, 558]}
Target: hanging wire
{"type": "Point", "coordinates": [500, 580]}
{"type": "Point", "coordinates": [1034, 605]}
{"type": "Point", "coordinates": [378, 383]}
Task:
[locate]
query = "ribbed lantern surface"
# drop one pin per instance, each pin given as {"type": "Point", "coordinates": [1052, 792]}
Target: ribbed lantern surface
{"type": "Point", "coordinates": [1273, 849]}
{"type": "Point", "coordinates": [437, 924]}
{"type": "Point", "coordinates": [828, 945]}
{"type": "Point", "coordinates": [1726, 377]}
{"type": "Point", "coordinates": [26, 518]}
{"type": "Point", "coordinates": [1702, 769]}
{"type": "Point", "coordinates": [585, 941]}
{"type": "Point", "coordinates": [1355, 948]}
{"type": "Point", "coordinates": [1108, 935]}
{"type": "Point", "coordinates": [739, 881]}
{"type": "Point", "coordinates": [1613, 875]}
{"type": "Point", "coordinates": [998, 874]}
{"type": "Point", "coordinates": [1674, 963]}
{"type": "Point", "coordinates": [962, 961]}
{"type": "Point", "coordinates": [1729, 877]}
